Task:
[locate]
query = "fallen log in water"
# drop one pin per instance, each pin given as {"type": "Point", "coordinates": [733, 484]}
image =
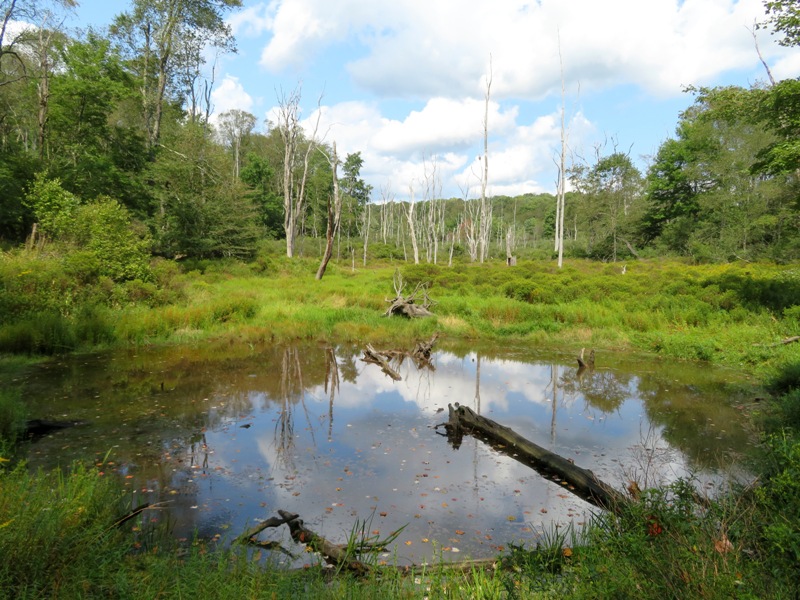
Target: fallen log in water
{"type": "Point", "coordinates": [581, 482]}
{"type": "Point", "coordinates": [377, 358]}
{"type": "Point", "coordinates": [421, 355]}
{"type": "Point", "coordinates": [332, 553]}
{"type": "Point", "coordinates": [344, 556]}
{"type": "Point", "coordinates": [36, 428]}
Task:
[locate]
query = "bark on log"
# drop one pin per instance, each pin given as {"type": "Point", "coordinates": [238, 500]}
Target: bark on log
{"type": "Point", "coordinates": [581, 482]}
{"type": "Point", "coordinates": [407, 308]}
{"type": "Point", "coordinates": [332, 553]}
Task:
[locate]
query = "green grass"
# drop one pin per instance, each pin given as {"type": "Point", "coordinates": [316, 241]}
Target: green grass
{"type": "Point", "coordinates": [726, 314]}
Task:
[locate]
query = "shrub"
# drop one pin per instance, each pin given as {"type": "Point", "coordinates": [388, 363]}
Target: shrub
{"type": "Point", "coordinates": [103, 228]}
{"type": "Point", "coordinates": [53, 207]}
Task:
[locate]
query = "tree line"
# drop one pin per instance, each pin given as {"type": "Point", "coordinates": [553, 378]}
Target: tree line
{"type": "Point", "coordinates": [108, 145]}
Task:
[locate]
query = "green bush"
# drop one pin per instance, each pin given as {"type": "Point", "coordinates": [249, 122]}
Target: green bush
{"type": "Point", "coordinates": [779, 500]}
{"type": "Point", "coordinates": [103, 228]}
{"type": "Point", "coordinates": [53, 207]}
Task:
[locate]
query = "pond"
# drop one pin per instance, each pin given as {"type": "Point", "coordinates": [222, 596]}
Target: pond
{"type": "Point", "coordinates": [227, 435]}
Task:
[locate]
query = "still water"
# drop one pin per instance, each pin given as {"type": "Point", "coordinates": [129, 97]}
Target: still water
{"type": "Point", "coordinates": [226, 436]}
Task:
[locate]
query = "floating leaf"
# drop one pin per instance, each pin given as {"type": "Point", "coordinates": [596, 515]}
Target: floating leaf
{"type": "Point", "coordinates": [459, 532]}
{"type": "Point", "coordinates": [512, 517]}
{"type": "Point", "coordinates": [567, 552]}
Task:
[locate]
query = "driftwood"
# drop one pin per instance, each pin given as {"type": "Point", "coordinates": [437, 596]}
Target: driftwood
{"type": "Point", "coordinates": [379, 358]}
{"type": "Point", "coordinates": [333, 554]}
{"type": "Point", "coordinates": [421, 355]}
{"type": "Point", "coordinates": [409, 306]}
{"type": "Point", "coordinates": [337, 555]}
{"type": "Point", "coordinates": [581, 482]}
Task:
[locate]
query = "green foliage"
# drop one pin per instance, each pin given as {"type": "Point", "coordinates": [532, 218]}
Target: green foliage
{"type": "Point", "coordinates": [780, 111]}
{"type": "Point", "coordinates": [104, 230]}
{"type": "Point", "coordinates": [53, 207]}
{"type": "Point", "coordinates": [778, 504]}
{"type": "Point", "coordinates": [784, 17]}
{"type": "Point", "coordinates": [204, 214]}
{"type": "Point", "coordinates": [96, 147]}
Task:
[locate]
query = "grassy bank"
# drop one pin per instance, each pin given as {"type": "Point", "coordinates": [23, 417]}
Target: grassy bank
{"type": "Point", "coordinates": [58, 533]}
{"type": "Point", "coordinates": [730, 314]}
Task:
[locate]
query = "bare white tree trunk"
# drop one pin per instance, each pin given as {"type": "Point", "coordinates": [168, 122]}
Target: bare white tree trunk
{"type": "Point", "coordinates": [486, 209]}
{"type": "Point", "coordinates": [288, 125]}
{"type": "Point", "coordinates": [334, 214]}
{"type": "Point", "coordinates": [368, 218]}
{"type": "Point", "coordinates": [470, 224]}
{"type": "Point", "coordinates": [562, 170]}
{"type": "Point", "coordinates": [411, 228]}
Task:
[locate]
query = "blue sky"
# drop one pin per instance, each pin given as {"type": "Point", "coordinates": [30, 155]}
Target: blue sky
{"type": "Point", "coordinates": [403, 81]}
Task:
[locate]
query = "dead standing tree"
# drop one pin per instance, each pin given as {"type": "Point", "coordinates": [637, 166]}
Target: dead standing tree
{"type": "Point", "coordinates": [486, 205]}
{"type": "Point", "coordinates": [291, 133]}
{"type": "Point", "coordinates": [334, 214]}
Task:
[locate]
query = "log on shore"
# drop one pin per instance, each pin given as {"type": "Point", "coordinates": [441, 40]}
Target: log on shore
{"type": "Point", "coordinates": [581, 482]}
{"type": "Point", "coordinates": [784, 342]}
{"type": "Point", "coordinates": [406, 308]}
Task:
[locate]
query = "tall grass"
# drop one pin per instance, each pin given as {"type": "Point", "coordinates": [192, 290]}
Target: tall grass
{"type": "Point", "coordinates": [721, 313]}
{"type": "Point", "coordinates": [57, 533]}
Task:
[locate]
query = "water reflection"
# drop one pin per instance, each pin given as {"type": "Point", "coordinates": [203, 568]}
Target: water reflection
{"type": "Point", "coordinates": [229, 435]}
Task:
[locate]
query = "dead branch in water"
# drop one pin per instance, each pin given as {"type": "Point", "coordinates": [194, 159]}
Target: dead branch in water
{"type": "Point", "coordinates": [579, 481]}
{"type": "Point", "coordinates": [421, 355]}
{"type": "Point", "coordinates": [337, 555]}
{"type": "Point", "coordinates": [584, 362]}
{"type": "Point", "coordinates": [379, 358]}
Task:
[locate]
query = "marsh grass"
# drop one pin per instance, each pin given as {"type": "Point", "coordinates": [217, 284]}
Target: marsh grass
{"type": "Point", "coordinates": [718, 313]}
